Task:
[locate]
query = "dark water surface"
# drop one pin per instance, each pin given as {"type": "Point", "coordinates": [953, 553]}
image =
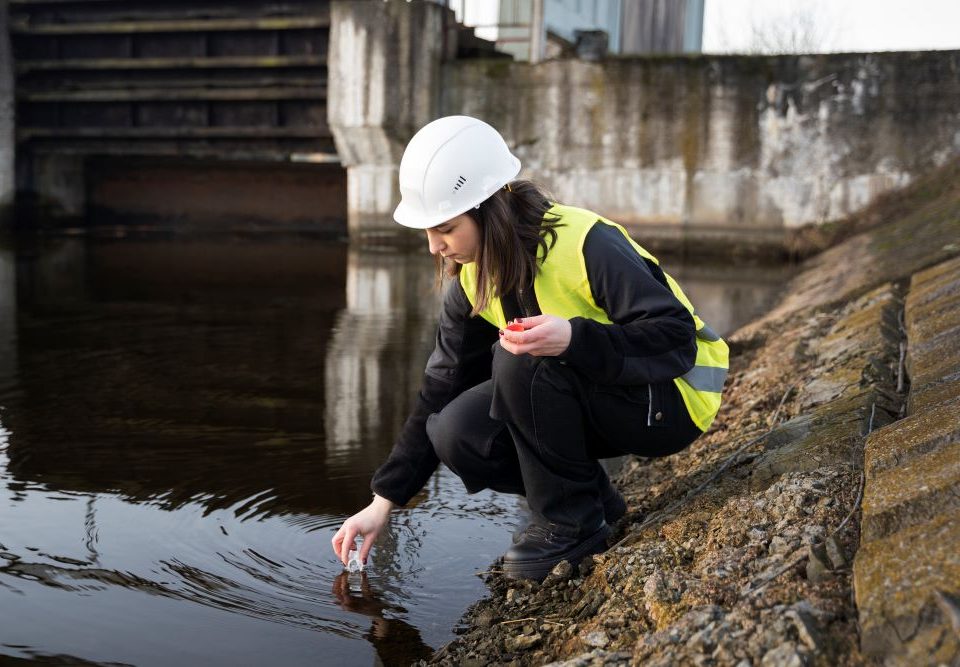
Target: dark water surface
{"type": "Point", "coordinates": [185, 423]}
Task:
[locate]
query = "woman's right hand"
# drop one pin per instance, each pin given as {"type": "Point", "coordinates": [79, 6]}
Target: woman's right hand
{"type": "Point", "coordinates": [368, 522]}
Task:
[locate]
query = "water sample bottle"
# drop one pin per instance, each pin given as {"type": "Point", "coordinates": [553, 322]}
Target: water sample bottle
{"type": "Point", "coordinates": [354, 564]}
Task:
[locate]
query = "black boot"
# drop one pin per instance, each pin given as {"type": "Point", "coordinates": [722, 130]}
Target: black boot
{"type": "Point", "coordinates": [538, 549]}
{"type": "Point", "coordinates": [614, 506]}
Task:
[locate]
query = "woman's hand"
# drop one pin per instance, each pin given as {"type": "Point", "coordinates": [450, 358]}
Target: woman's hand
{"type": "Point", "coordinates": [368, 522]}
{"type": "Point", "coordinates": [543, 336]}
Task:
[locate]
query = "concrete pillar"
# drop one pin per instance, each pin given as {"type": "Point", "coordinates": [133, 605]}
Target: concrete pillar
{"type": "Point", "coordinates": [384, 67]}
{"type": "Point", "coordinates": [7, 177]}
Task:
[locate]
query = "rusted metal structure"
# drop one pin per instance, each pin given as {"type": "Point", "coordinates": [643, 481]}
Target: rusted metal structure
{"type": "Point", "coordinates": [108, 87]}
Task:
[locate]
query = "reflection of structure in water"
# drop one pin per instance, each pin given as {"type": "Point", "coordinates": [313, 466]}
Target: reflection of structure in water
{"type": "Point", "coordinates": [728, 295]}
{"type": "Point", "coordinates": [178, 371]}
{"type": "Point", "coordinates": [8, 319]}
{"type": "Point", "coordinates": [379, 347]}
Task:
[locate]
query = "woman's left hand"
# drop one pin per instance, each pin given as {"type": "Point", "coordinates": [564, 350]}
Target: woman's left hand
{"type": "Point", "coordinates": [543, 336]}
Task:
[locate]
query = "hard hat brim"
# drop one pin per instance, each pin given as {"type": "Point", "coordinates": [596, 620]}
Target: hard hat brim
{"type": "Point", "coordinates": [408, 217]}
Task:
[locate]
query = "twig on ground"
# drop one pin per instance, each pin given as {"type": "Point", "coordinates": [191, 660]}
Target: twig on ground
{"type": "Point", "coordinates": [518, 620]}
{"type": "Point", "coordinates": [853, 510]}
{"type": "Point", "coordinates": [903, 355]}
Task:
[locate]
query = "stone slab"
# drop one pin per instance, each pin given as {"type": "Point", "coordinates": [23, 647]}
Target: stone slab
{"type": "Point", "coordinates": [828, 436]}
{"type": "Point", "coordinates": [932, 321]}
{"type": "Point", "coordinates": [926, 321]}
{"type": "Point", "coordinates": [858, 350]}
{"type": "Point", "coordinates": [898, 443]}
{"type": "Point", "coordinates": [946, 391]}
{"type": "Point", "coordinates": [934, 359]}
{"type": "Point", "coordinates": [934, 283]}
{"type": "Point", "coordinates": [912, 493]}
{"type": "Point", "coordinates": [895, 579]}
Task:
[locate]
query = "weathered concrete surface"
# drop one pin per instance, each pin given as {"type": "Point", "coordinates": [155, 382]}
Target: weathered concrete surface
{"type": "Point", "coordinates": [711, 148]}
{"type": "Point", "coordinates": [918, 228]}
{"type": "Point", "coordinates": [7, 174]}
{"type": "Point", "coordinates": [753, 564]}
{"type": "Point", "coordinates": [384, 79]}
{"type": "Point", "coordinates": [755, 143]}
{"type": "Point", "coordinates": [911, 505]}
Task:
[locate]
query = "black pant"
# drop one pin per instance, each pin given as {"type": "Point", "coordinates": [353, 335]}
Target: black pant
{"type": "Point", "coordinates": [538, 427]}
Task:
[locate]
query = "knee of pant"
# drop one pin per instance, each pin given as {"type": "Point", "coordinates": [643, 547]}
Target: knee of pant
{"type": "Point", "coordinates": [512, 372]}
{"type": "Point", "coordinates": [440, 436]}
{"type": "Point", "coordinates": [442, 430]}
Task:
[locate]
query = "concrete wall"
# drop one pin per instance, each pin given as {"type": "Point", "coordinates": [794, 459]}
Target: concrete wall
{"type": "Point", "coordinates": [756, 143]}
{"type": "Point", "coordinates": [7, 177]}
{"type": "Point", "coordinates": [384, 84]}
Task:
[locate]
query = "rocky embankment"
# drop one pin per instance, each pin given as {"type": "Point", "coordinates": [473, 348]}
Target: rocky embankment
{"type": "Point", "coordinates": [818, 522]}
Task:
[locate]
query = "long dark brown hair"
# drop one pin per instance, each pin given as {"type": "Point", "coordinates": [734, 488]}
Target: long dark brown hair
{"type": "Point", "coordinates": [513, 225]}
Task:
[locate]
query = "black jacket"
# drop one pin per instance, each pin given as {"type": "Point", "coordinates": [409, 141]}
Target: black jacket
{"type": "Point", "coordinates": [652, 339]}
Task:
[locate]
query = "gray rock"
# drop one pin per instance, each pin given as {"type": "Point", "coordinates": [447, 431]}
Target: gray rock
{"type": "Point", "coordinates": [597, 639]}
{"type": "Point", "coordinates": [698, 617]}
{"type": "Point", "coordinates": [522, 642]}
{"type": "Point", "coordinates": [835, 554]}
{"type": "Point", "coordinates": [806, 628]}
{"type": "Point", "coordinates": [784, 655]}
{"type": "Point", "coordinates": [818, 568]}
{"type": "Point", "coordinates": [594, 657]}
{"type": "Point", "coordinates": [779, 545]}
{"type": "Point", "coordinates": [560, 572]}
{"type": "Point", "coordinates": [702, 640]}
{"type": "Point", "coordinates": [614, 621]}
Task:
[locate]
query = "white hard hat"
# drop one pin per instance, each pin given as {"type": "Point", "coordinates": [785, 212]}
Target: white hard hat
{"type": "Point", "coordinates": [450, 166]}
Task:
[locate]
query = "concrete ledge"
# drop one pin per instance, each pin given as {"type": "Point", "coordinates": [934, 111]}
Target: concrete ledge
{"type": "Point", "coordinates": [946, 391]}
{"type": "Point", "coordinates": [913, 493]}
{"type": "Point", "coordinates": [895, 579]}
{"type": "Point", "coordinates": [909, 438]}
{"type": "Point", "coordinates": [910, 530]}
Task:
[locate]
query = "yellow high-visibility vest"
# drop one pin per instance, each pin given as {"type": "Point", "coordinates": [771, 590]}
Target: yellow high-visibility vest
{"type": "Point", "coordinates": [562, 287]}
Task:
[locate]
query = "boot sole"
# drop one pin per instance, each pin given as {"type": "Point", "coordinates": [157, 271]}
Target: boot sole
{"type": "Point", "coordinates": [540, 568]}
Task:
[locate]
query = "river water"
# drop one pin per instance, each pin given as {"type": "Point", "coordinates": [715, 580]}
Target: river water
{"type": "Point", "coordinates": [185, 422]}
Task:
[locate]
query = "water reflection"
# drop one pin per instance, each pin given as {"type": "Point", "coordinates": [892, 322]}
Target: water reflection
{"type": "Point", "coordinates": [183, 425]}
{"type": "Point", "coordinates": [728, 296]}
{"type": "Point", "coordinates": [378, 349]}
{"type": "Point", "coordinates": [396, 642]}
{"type": "Point", "coordinates": [203, 354]}
{"type": "Point", "coordinates": [8, 318]}
{"type": "Point", "coordinates": [171, 473]}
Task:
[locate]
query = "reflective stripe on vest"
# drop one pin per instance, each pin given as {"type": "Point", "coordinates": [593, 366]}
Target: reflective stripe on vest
{"type": "Point", "coordinates": [562, 288]}
{"type": "Point", "coordinates": [706, 378]}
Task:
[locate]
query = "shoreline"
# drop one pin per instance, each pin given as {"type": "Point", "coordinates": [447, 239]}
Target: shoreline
{"type": "Point", "coordinates": [768, 541]}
